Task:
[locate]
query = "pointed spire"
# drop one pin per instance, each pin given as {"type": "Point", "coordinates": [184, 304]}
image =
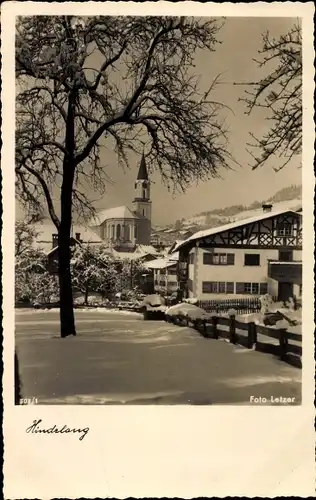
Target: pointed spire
{"type": "Point", "coordinates": [142, 172]}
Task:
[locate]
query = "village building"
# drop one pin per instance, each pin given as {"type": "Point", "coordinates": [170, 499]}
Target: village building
{"type": "Point", "coordinates": [164, 273]}
{"type": "Point", "coordinates": [247, 257]}
{"type": "Point", "coordinates": [124, 228]}
{"type": "Point", "coordinates": [126, 232]}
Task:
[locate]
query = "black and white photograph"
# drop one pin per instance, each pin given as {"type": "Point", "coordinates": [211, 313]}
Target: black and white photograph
{"type": "Point", "coordinates": [159, 211]}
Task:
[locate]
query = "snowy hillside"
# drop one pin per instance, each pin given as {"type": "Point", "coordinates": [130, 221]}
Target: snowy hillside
{"type": "Point", "coordinates": [289, 197]}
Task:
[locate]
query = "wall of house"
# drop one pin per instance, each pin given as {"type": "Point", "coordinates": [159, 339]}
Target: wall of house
{"type": "Point", "coordinates": [143, 232]}
{"type": "Point", "coordinates": [166, 280]}
{"type": "Point", "coordinates": [239, 272]}
{"type": "Point", "coordinates": [109, 230]}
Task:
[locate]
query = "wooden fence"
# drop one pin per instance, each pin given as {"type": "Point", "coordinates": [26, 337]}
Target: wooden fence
{"type": "Point", "coordinates": [249, 335]}
{"type": "Point", "coordinates": [247, 306]}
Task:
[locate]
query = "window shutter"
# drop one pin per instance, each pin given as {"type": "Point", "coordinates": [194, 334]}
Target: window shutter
{"type": "Point", "coordinates": [207, 258]}
{"type": "Point", "coordinates": [263, 288]}
{"type": "Point", "coordinates": [230, 259]}
{"type": "Point", "coordinates": [240, 287]}
{"type": "Point", "coordinates": [230, 287]}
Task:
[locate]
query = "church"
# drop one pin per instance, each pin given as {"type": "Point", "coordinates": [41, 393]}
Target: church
{"type": "Point", "coordinates": [125, 228]}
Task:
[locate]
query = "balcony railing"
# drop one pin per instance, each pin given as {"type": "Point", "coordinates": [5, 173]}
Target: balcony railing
{"type": "Point", "coordinates": [285, 270]}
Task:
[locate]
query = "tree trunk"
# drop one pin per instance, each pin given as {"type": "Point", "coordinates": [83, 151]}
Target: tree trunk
{"type": "Point", "coordinates": [86, 295]}
{"type": "Point", "coordinates": [67, 319]}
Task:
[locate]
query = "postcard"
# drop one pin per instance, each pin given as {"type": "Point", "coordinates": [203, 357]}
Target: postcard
{"type": "Point", "coordinates": [158, 305]}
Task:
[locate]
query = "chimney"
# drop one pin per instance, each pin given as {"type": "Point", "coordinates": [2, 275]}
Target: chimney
{"type": "Point", "coordinates": [267, 207]}
{"type": "Point", "coordinates": [77, 237]}
{"type": "Point", "coordinates": [54, 240]}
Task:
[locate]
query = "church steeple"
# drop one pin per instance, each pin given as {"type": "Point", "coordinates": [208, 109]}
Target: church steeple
{"type": "Point", "coordinates": [142, 184]}
{"type": "Point", "coordinates": [142, 204]}
{"type": "Point", "coordinates": [142, 171]}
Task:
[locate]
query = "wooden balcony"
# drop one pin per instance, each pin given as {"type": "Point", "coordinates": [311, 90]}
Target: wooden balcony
{"type": "Point", "coordinates": [287, 271]}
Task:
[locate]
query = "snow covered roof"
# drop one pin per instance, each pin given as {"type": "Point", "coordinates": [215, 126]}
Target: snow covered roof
{"type": "Point", "coordinates": [139, 252]}
{"type": "Point", "coordinates": [174, 245]}
{"type": "Point", "coordinates": [46, 229]}
{"type": "Point", "coordinates": [159, 264]}
{"type": "Point", "coordinates": [232, 225]}
{"type": "Point", "coordinates": [147, 249]}
{"type": "Point", "coordinates": [122, 212]}
{"type": "Point", "coordinates": [174, 256]}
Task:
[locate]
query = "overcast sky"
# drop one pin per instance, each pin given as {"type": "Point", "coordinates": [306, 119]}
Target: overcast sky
{"type": "Point", "coordinates": [241, 38]}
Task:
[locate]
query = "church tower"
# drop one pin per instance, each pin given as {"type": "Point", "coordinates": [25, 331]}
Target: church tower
{"type": "Point", "coordinates": [142, 205]}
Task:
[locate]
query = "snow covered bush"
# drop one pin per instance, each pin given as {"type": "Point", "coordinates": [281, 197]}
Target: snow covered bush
{"type": "Point", "coordinates": [33, 283]}
{"type": "Point", "coordinates": [94, 270]}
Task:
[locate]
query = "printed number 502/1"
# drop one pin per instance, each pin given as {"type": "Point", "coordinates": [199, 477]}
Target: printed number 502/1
{"type": "Point", "coordinates": [28, 401]}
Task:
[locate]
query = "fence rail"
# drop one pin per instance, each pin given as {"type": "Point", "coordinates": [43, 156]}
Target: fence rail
{"type": "Point", "coordinates": [246, 306]}
{"type": "Point", "coordinates": [220, 327]}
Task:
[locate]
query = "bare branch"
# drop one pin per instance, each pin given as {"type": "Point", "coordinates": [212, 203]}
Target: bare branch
{"type": "Point", "coordinates": [280, 92]}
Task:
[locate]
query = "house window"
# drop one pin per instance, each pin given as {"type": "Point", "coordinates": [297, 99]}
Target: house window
{"type": "Point", "coordinates": [284, 229]}
{"type": "Point", "coordinates": [286, 255]}
{"type": "Point", "coordinates": [219, 259]}
{"type": "Point", "coordinates": [217, 287]}
{"type": "Point", "coordinates": [223, 258]}
{"type": "Point", "coordinates": [248, 288]}
{"type": "Point", "coordinates": [252, 259]}
{"type": "Point", "coordinates": [263, 288]}
{"type": "Point", "coordinates": [207, 258]}
{"type": "Point", "coordinates": [172, 271]}
{"type": "Point", "coordinates": [221, 287]}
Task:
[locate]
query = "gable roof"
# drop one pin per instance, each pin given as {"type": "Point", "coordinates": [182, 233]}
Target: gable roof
{"type": "Point", "coordinates": [122, 212]}
{"type": "Point", "coordinates": [232, 225]}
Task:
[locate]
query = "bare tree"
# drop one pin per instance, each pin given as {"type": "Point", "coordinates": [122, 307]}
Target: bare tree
{"type": "Point", "coordinates": [115, 82]}
{"type": "Point", "coordinates": [25, 235]}
{"type": "Point", "coordinates": [280, 91]}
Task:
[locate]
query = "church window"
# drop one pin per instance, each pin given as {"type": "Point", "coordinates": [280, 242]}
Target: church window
{"type": "Point", "coordinates": [144, 193]}
{"type": "Point", "coordinates": [136, 231]}
{"type": "Point", "coordinates": [113, 228]}
{"type": "Point", "coordinates": [118, 231]}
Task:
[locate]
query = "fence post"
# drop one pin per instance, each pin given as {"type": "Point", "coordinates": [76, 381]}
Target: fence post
{"type": "Point", "coordinates": [214, 327]}
{"type": "Point", "coordinates": [204, 328]}
{"type": "Point", "coordinates": [251, 335]}
{"type": "Point", "coordinates": [232, 329]}
{"type": "Point", "coordinates": [283, 343]}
